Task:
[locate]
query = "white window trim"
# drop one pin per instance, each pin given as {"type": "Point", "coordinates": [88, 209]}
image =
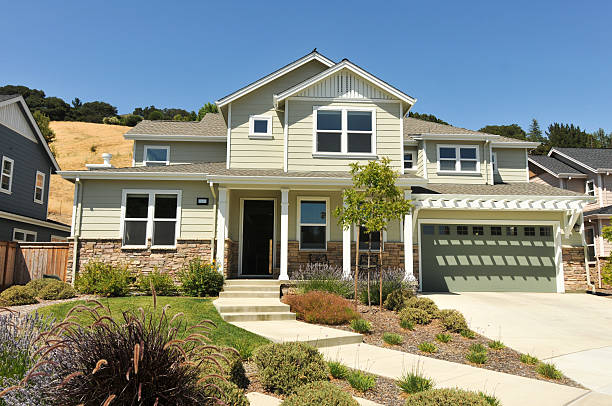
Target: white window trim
{"type": "Point", "coordinates": [42, 194]}
{"type": "Point", "coordinates": [413, 166]}
{"type": "Point", "coordinates": [148, 147]}
{"type": "Point", "coordinates": [458, 159]}
{"type": "Point", "coordinates": [594, 245]}
{"type": "Point", "coordinates": [586, 187]}
{"type": "Point", "coordinates": [10, 189]}
{"type": "Point", "coordinates": [150, 216]}
{"type": "Point", "coordinates": [253, 134]}
{"type": "Point", "coordinates": [344, 133]}
{"type": "Point", "coordinates": [19, 230]}
{"type": "Point", "coordinates": [355, 228]}
{"type": "Point", "coordinates": [299, 221]}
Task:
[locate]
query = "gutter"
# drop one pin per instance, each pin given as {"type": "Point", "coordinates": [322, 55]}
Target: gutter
{"type": "Point", "coordinates": [77, 227]}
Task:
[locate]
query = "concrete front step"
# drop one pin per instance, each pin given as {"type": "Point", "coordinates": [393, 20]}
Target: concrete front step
{"type": "Point", "coordinates": [258, 282]}
{"type": "Point", "coordinates": [248, 294]}
{"type": "Point", "coordinates": [258, 316]}
{"type": "Point", "coordinates": [251, 288]}
{"type": "Point", "coordinates": [251, 308]}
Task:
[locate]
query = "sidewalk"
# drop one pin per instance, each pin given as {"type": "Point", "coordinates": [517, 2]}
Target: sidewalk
{"type": "Point", "coordinates": [259, 399]}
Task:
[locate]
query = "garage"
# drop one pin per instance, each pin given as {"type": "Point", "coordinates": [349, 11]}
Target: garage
{"type": "Point", "coordinates": [487, 257]}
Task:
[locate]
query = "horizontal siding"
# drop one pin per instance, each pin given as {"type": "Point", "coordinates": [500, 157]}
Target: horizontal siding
{"type": "Point", "coordinates": [432, 164]}
{"type": "Point", "coordinates": [182, 152]}
{"type": "Point", "coordinates": [511, 165]}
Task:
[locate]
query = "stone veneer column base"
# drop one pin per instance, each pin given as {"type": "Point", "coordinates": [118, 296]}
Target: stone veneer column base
{"type": "Point", "coordinates": [574, 269]}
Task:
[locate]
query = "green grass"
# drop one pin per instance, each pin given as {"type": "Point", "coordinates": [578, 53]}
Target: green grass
{"type": "Point", "coordinates": [529, 359]}
{"type": "Point", "coordinates": [549, 371]}
{"type": "Point", "coordinates": [496, 345]}
{"type": "Point", "coordinates": [392, 338]}
{"type": "Point", "coordinates": [195, 311]}
{"type": "Point", "coordinates": [444, 338]}
{"type": "Point", "coordinates": [413, 382]}
{"type": "Point", "coordinates": [490, 399]}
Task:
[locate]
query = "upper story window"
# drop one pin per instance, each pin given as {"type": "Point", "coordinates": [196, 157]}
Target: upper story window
{"type": "Point", "coordinates": [156, 156]}
{"type": "Point", "coordinates": [24, 235]}
{"type": "Point", "coordinates": [260, 126]}
{"type": "Point", "coordinates": [458, 159]}
{"type": "Point", "coordinates": [312, 227]}
{"type": "Point", "coordinates": [6, 175]}
{"type": "Point", "coordinates": [39, 188]}
{"type": "Point", "coordinates": [344, 130]}
{"type": "Point", "coordinates": [408, 160]}
{"type": "Point", "coordinates": [589, 188]}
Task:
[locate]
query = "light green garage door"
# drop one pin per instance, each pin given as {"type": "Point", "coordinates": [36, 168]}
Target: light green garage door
{"type": "Point", "coordinates": [494, 258]}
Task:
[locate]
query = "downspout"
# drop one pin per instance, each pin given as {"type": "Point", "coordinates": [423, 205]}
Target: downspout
{"type": "Point", "coordinates": [586, 255]}
{"type": "Point", "coordinates": [77, 227]}
{"type": "Point", "coordinates": [214, 232]}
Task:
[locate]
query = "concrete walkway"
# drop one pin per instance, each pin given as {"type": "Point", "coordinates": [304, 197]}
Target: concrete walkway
{"type": "Point", "coordinates": [259, 399]}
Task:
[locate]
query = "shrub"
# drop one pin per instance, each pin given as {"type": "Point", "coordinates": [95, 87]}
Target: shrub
{"type": "Point", "coordinates": [200, 278]}
{"type": "Point", "coordinates": [444, 338]}
{"type": "Point", "coordinates": [103, 279]}
{"type": "Point", "coordinates": [285, 367]}
{"type": "Point", "coordinates": [18, 295]}
{"type": "Point", "coordinates": [130, 120]}
{"type": "Point", "coordinates": [529, 359]}
{"type": "Point", "coordinates": [413, 382]}
{"type": "Point", "coordinates": [388, 287]}
{"type": "Point", "coordinates": [548, 370]}
{"type": "Point", "coordinates": [424, 303]}
{"type": "Point", "coordinates": [162, 283]}
{"type": "Point", "coordinates": [477, 357]}
{"type": "Point", "coordinates": [396, 300]}
{"type": "Point", "coordinates": [361, 326]}
{"type": "Point", "coordinates": [453, 320]}
{"type": "Point", "coordinates": [393, 339]}
{"type": "Point", "coordinates": [477, 347]}
{"type": "Point", "coordinates": [490, 399]}
{"type": "Point", "coordinates": [325, 278]}
{"type": "Point", "coordinates": [56, 290]}
{"type": "Point", "coordinates": [337, 369]}
{"type": "Point", "coordinates": [321, 307]}
{"type": "Point", "coordinates": [437, 397]}
{"type": "Point", "coordinates": [606, 270]}
{"type": "Point", "coordinates": [467, 333]}
{"type": "Point", "coordinates": [37, 284]}
{"type": "Point", "coordinates": [496, 345]}
{"type": "Point", "coordinates": [360, 380]}
{"type": "Point", "coordinates": [244, 348]}
{"type": "Point", "coordinates": [426, 346]}
{"type": "Point", "coordinates": [414, 315]}
{"type": "Point", "coordinates": [321, 394]}
{"type": "Point", "coordinates": [111, 120]}
{"type": "Point", "coordinates": [226, 392]}
{"type": "Point", "coordinates": [407, 324]}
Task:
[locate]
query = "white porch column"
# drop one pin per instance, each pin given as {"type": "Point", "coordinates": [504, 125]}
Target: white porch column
{"type": "Point", "coordinates": [346, 251]}
{"type": "Point", "coordinates": [222, 212]}
{"type": "Point", "coordinates": [408, 256]}
{"type": "Point", "coordinates": [284, 243]}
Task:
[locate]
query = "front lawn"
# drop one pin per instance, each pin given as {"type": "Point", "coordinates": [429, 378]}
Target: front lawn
{"type": "Point", "coordinates": [195, 310]}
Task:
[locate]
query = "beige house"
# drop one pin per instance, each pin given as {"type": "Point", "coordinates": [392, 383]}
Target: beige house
{"type": "Point", "coordinates": [254, 187]}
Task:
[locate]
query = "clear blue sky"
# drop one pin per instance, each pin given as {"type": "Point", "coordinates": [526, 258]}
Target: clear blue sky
{"type": "Point", "coordinates": [470, 63]}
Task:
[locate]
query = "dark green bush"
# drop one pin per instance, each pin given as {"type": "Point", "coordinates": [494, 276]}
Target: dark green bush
{"type": "Point", "coordinates": [18, 295]}
{"type": "Point", "coordinates": [56, 290]}
{"type": "Point", "coordinates": [396, 300]}
{"type": "Point", "coordinates": [37, 284]}
{"type": "Point", "coordinates": [424, 303]}
{"type": "Point", "coordinates": [444, 338]}
{"type": "Point", "coordinates": [453, 320]}
{"type": "Point", "coordinates": [201, 278]}
{"type": "Point", "coordinates": [414, 315]}
{"type": "Point", "coordinates": [477, 357]}
{"type": "Point", "coordinates": [103, 279]}
{"type": "Point", "coordinates": [285, 367]}
{"type": "Point", "coordinates": [162, 283]}
{"type": "Point", "coordinates": [392, 338]}
{"type": "Point", "coordinates": [320, 394]}
{"type": "Point", "coordinates": [226, 392]}
{"type": "Point", "coordinates": [407, 324]}
{"type": "Point", "coordinates": [439, 397]}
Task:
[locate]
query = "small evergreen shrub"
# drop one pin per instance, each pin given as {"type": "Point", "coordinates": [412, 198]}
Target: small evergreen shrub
{"type": "Point", "coordinates": [360, 380]}
{"type": "Point", "coordinates": [406, 324]}
{"type": "Point", "coordinates": [388, 287]}
{"type": "Point", "coordinates": [320, 394]}
{"type": "Point", "coordinates": [413, 382]}
{"type": "Point", "coordinates": [424, 303]}
{"type": "Point", "coordinates": [477, 347]}
{"type": "Point", "coordinates": [477, 357]}
{"type": "Point", "coordinates": [415, 315]}
{"type": "Point", "coordinates": [18, 295]}
{"type": "Point", "coordinates": [453, 320]}
{"type": "Point", "coordinates": [361, 326]}
{"type": "Point", "coordinates": [321, 307]}
{"type": "Point", "coordinates": [428, 347]}
{"type": "Point", "coordinates": [396, 300]}
{"type": "Point", "coordinates": [490, 399]}
{"type": "Point", "coordinates": [162, 283]}
{"type": "Point", "coordinates": [285, 367]}
{"type": "Point", "coordinates": [467, 333]}
{"type": "Point", "coordinates": [548, 370]}
{"type": "Point", "coordinates": [226, 392]}
{"type": "Point", "coordinates": [200, 278]}
{"type": "Point", "coordinates": [337, 369]}
{"type": "Point", "coordinates": [37, 284]}
{"type": "Point", "coordinates": [439, 397]}
{"type": "Point", "coordinates": [496, 345]}
{"type": "Point", "coordinates": [392, 338]}
{"type": "Point", "coordinates": [444, 338]}
{"type": "Point", "coordinates": [103, 279]}
{"type": "Point", "coordinates": [529, 359]}
{"type": "Point", "coordinates": [56, 290]}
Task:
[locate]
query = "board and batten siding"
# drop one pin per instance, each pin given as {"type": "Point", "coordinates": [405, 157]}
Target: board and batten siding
{"type": "Point", "coordinates": [247, 152]}
{"type": "Point", "coordinates": [101, 208]}
{"type": "Point", "coordinates": [511, 165]}
{"type": "Point", "coordinates": [431, 152]}
{"type": "Point", "coordinates": [14, 118]}
{"type": "Point", "coordinates": [300, 139]}
{"type": "Point", "coordinates": [345, 85]}
{"type": "Point", "coordinates": [184, 152]}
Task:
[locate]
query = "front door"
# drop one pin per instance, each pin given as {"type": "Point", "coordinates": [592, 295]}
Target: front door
{"type": "Point", "coordinates": [257, 237]}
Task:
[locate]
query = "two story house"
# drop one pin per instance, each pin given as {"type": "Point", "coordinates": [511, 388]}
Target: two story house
{"type": "Point", "coordinates": [26, 165]}
{"type": "Point", "coordinates": [254, 187]}
{"type": "Point", "coordinates": [587, 171]}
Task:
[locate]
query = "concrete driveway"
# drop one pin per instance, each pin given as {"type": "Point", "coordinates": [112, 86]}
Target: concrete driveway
{"type": "Point", "coordinates": [574, 331]}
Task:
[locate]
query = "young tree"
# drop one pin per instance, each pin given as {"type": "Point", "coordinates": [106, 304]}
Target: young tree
{"type": "Point", "coordinates": [372, 202]}
{"type": "Point", "coordinates": [535, 134]}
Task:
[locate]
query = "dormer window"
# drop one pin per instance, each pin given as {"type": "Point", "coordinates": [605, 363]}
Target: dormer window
{"type": "Point", "coordinates": [344, 130]}
{"type": "Point", "coordinates": [589, 188]}
{"type": "Point", "coordinates": [156, 156]}
{"type": "Point", "coordinates": [260, 126]}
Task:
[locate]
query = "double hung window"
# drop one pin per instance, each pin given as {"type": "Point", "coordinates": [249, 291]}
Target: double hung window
{"type": "Point", "coordinates": [151, 215]}
{"type": "Point", "coordinates": [312, 224]}
{"type": "Point", "coordinates": [589, 188]}
{"type": "Point", "coordinates": [458, 158]}
{"type": "Point", "coordinates": [408, 160]}
{"type": "Point", "coordinates": [39, 188]}
{"type": "Point", "coordinates": [344, 131]}
{"type": "Point", "coordinates": [6, 174]}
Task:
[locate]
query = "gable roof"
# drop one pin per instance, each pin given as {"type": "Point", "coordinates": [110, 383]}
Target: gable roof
{"type": "Point", "coordinates": [593, 159]}
{"type": "Point", "coordinates": [212, 127]}
{"type": "Point", "coordinates": [555, 167]}
{"type": "Point", "coordinates": [16, 98]}
{"type": "Point", "coordinates": [314, 55]}
{"type": "Point", "coordinates": [4, 97]}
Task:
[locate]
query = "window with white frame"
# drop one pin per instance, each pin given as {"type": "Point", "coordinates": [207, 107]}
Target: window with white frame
{"type": "Point", "coordinates": [24, 235]}
{"type": "Point", "coordinates": [589, 188]}
{"type": "Point", "coordinates": [458, 158]}
{"type": "Point", "coordinates": [344, 130]}
{"type": "Point", "coordinates": [408, 160]}
{"type": "Point", "coordinates": [589, 236]}
{"type": "Point", "coordinates": [151, 215]}
{"type": "Point", "coordinates": [6, 174]}
{"type": "Point", "coordinates": [312, 228]}
{"type": "Point", "coordinates": [39, 188]}
{"type": "Point", "coordinates": [156, 155]}
{"type": "Point", "coordinates": [260, 126]}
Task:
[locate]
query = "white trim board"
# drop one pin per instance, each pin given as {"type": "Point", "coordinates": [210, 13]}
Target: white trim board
{"type": "Point", "coordinates": [556, 175]}
{"type": "Point", "coordinates": [298, 221]}
{"type": "Point", "coordinates": [25, 233]}
{"type": "Point", "coordinates": [169, 138]}
{"type": "Point", "coordinates": [164, 147]}
{"type": "Point", "coordinates": [241, 224]}
{"type": "Point", "coordinates": [36, 222]}
{"type": "Point", "coordinates": [42, 193]}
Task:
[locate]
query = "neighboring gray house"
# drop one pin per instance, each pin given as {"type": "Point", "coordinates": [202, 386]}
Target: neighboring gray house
{"type": "Point", "coordinates": [26, 165]}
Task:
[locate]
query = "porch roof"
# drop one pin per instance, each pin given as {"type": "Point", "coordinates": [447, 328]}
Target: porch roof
{"type": "Point", "coordinates": [501, 189]}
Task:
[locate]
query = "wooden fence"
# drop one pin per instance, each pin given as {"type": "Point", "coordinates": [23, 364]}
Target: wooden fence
{"type": "Point", "coordinates": [22, 262]}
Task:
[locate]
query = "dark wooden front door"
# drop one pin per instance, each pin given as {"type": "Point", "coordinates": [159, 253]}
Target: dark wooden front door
{"type": "Point", "coordinates": [257, 232]}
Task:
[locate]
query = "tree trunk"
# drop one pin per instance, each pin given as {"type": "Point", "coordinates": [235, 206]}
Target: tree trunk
{"type": "Point", "coordinates": [380, 269]}
{"type": "Point", "coordinates": [369, 251]}
{"type": "Point", "coordinates": [356, 267]}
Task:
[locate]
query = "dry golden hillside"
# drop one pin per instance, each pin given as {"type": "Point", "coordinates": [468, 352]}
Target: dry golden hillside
{"type": "Point", "coordinates": [78, 144]}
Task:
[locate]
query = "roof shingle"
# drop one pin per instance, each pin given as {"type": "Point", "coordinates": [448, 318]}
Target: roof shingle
{"type": "Point", "coordinates": [212, 124]}
{"type": "Point", "coordinates": [502, 189]}
{"type": "Point", "coordinates": [4, 97]}
{"type": "Point", "coordinates": [596, 158]}
{"type": "Point", "coordinates": [553, 165]}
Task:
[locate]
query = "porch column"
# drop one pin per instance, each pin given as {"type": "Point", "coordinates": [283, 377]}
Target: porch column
{"type": "Point", "coordinates": [284, 242]}
{"type": "Point", "coordinates": [346, 251]}
{"type": "Point", "coordinates": [408, 256]}
{"type": "Point", "coordinates": [222, 211]}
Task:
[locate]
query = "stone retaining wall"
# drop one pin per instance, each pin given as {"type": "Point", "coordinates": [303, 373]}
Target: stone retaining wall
{"type": "Point", "coordinates": [574, 269]}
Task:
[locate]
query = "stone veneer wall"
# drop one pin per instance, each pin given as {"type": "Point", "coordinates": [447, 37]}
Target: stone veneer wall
{"type": "Point", "coordinates": [574, 269]}
{"type": "Point", "coordinates": [230, 260]}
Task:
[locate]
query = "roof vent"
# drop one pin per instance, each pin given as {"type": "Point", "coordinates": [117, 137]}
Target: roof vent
{"type": "Point", "coordinates": [106, 157]}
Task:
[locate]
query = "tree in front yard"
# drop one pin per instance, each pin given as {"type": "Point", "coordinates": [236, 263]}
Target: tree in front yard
{"type": "Point", "coordinates": [606, 271]}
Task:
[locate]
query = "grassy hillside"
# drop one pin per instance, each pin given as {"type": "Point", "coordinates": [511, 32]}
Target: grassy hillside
{"type": "Point", "coordinates": [78, 144]}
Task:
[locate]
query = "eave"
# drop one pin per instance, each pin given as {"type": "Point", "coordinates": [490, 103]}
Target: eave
{"type": "Point", "coordinates": [166, 138]}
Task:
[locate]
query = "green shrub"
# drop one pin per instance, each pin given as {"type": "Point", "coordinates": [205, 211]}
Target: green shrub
{"type": "Point", "coordinates": [477, 357]}
{"type": "Point", "coordinates": [361, 326]}
{"type": "Point", "coordinates": [244, 348]}
{"type": "Point", "coordinates": [321, 307]}
{"type": "Point", "coordinates": [490, 399]}
{"type": "Point", "coordinates": [18, 295]}
{"type": "Point", "coordinates": [334, 286]}
{"type": "Point", "coordinates": [424, 303]}
{"type": "Point", "coordinates": [413, 382]}
{"type": "Point", "coordinates": [426, 346]}
{"type": "Point", "coordinates": [56, 290]}
{"type": "Point", "coordinates": [201, 278]}
{"type": "Point", "coordinates": [496, 345]}
{"type": "Point", "coordinates": [453, 320]}
{"type": "Point", "coordinates": [130, 120]}
{"type": "Point", "coordinates": [467, 333]}
{"type": "Point", "coordinates": [407, 324]}
{"type": "Point", "coordinates": [392, 338]}
{"type": "Point", "coordinates": [444, 397]}
{"type": "Point", "coordinates": [360, 380]}
{"type": "Point", "coordinates": [396, 300]}
{"type": "Point", "coordinates": [284, 367]}
{"type": "Point", "coordinates": [388, 287]}
{"type": "Point", "coordinates": [414, 315]}
{"type": "Point", "coordinates": [162, 283]}
{"type": "Point", "coordinates": [227, 392]}
{"type": "Point", "coordinates": [548, 370]}
{"type": "Point", "coordinates": [529, 359]}
{"type": "Point", "coordinates": [320, 394]}
{"type": "Point", "coordinates": [477, 347]}
{"type": "Point", "coordinates": [444, 338]}
{"type": "Point", "coordinates": [37, 284]}
{"type": "Point", "coordinates": [231, 363]}
{"type": "Point", "coordinates": [103, 279]}
{"type": "Point", "coordinates": [337, 369]}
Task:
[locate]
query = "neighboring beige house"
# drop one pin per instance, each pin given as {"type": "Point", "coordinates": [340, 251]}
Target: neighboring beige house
{"type": "Point", "coordinates": [587, 171]}
{"type": "Point", "coordinates": [254, 187]}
